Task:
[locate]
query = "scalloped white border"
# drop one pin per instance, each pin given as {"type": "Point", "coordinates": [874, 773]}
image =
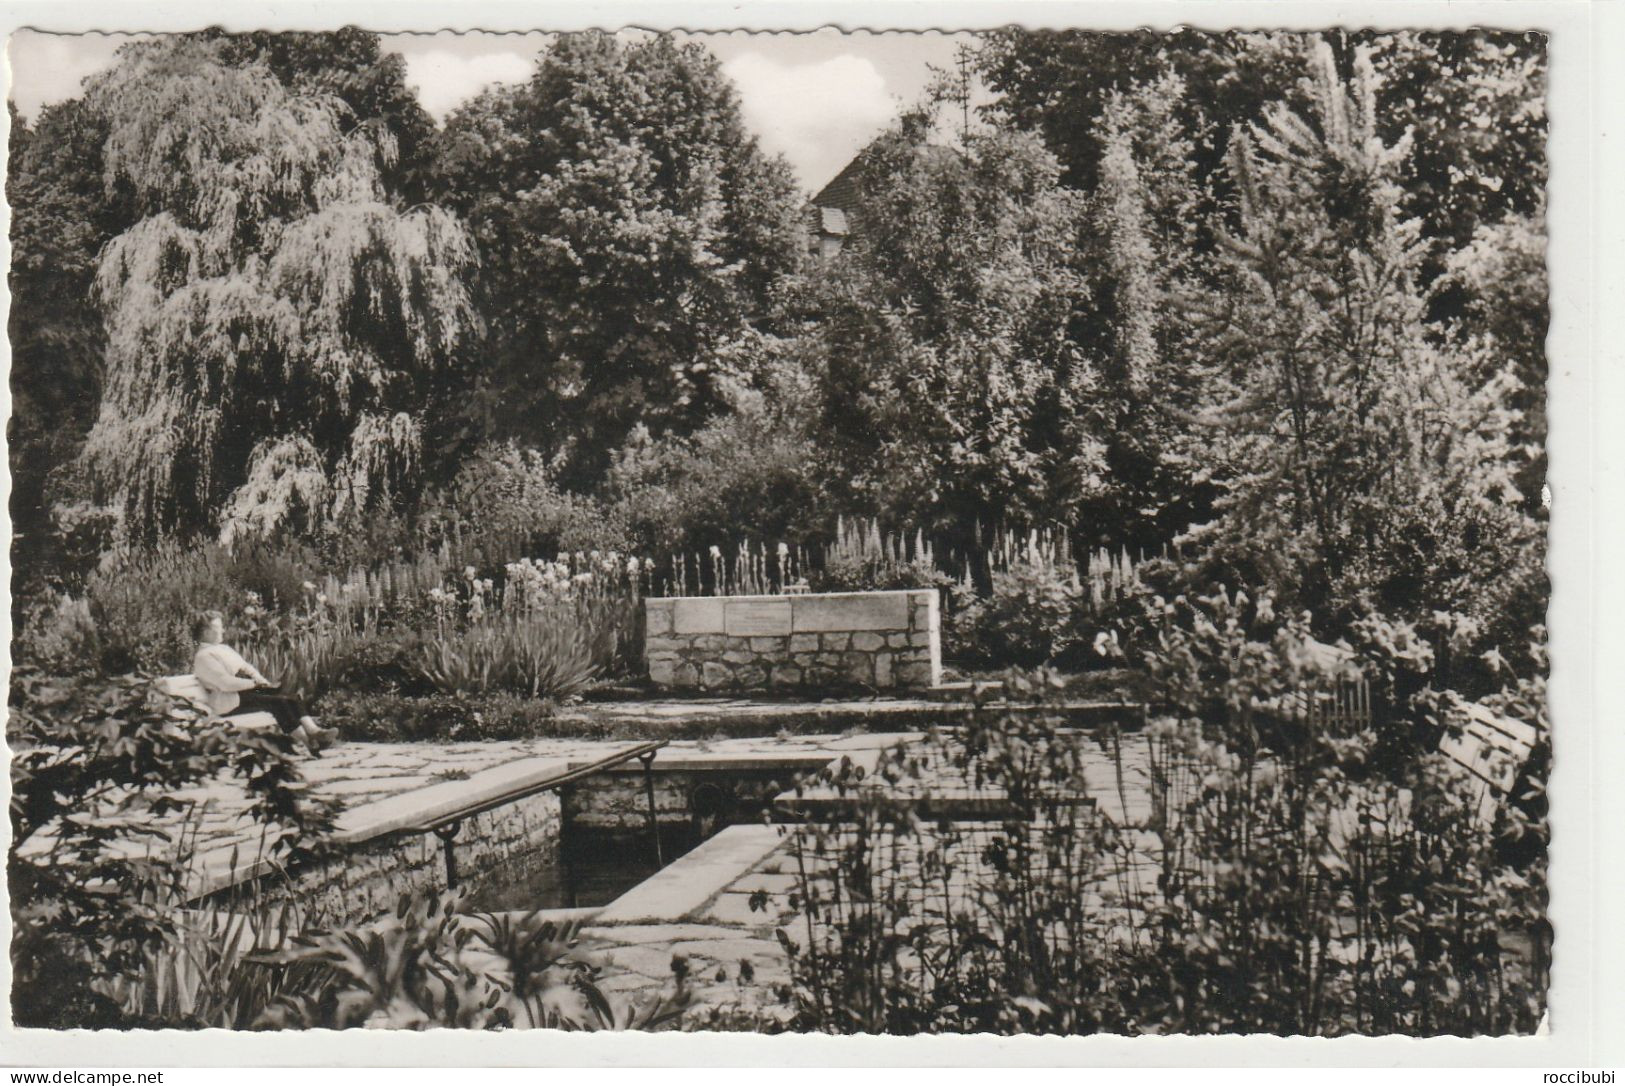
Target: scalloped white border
{"type": "Point", "coordinates": [1587, 236]}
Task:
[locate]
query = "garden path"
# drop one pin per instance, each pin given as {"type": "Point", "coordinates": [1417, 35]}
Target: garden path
{"type": "Point", "coordinates": [380, 786]}
{"type": "Point", "coordinates": [376, 787]}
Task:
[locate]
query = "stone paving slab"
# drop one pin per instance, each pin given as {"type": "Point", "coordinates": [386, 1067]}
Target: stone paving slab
{"type": "Point", "coordinates": [876, 713]}
{"type": "Point", "coordinates": [381, 786]}
{"type": "Point", "coordinates": [682, 888]}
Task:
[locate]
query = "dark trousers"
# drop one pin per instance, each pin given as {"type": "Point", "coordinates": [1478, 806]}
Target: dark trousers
{"type": "Point", "coordinates": [284, 708]}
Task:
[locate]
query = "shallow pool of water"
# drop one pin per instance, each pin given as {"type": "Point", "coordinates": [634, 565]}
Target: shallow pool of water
{"type": "Point", "coordinates": [594, 866]}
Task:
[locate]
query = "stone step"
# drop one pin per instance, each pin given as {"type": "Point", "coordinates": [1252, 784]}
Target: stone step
{"type": "Point", "coordinates": [965, 690]}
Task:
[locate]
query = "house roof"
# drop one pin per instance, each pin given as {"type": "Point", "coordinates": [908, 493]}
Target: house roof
{"type": "Point", "coordinates": [830, 220]}
{"type": "Point", "coordinates": [839, 204]}
{"type": "Point", "coordinates": [842, 190]}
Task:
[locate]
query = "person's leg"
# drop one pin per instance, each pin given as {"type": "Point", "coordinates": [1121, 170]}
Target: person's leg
{"type": "Point", "coordinates": [284, 709]}
{"type": "Point", "coordinates": [290, 717]}
{"type": "Point", "coordinates": [316, 737]}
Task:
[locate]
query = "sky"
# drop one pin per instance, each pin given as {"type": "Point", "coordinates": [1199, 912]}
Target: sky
{"type": "Point", "coordinates": [815, 98]}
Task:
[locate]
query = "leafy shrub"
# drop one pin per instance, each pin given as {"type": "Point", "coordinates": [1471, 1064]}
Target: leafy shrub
{"type": "Point", "coordinates": [390, 717]}
{"type": "Point", "coordinates": [504, 503]}
{"type": "Point", "coordinates": [431, 963]}
{"type": "Point", "coordinates": [57, 634]}
{"type": "Point", "coordinates": [143, 604]}
{"type": "Point", "coordinates": [862, 559]}
{"type": "Point", "coordinates": [96, 766]}
{"type": "Point", "coordinates": [520, 655]}
{"type": "Point", "coordinates": [751, 472]}
{"type": "Point", "coordinates": [378, 663]}
{"type": "Point", "coordinates": [1042, 607]}
{"type": "Point", "coordinates": [1033, 616]}
{"type": "Point", "coordinates": [1276, 882]}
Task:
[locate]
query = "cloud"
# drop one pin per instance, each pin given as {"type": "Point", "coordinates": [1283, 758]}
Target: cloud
{"type": "Point", "coordinates": [818, 115]}
{"type": "Point", "coordinates": [445, 79]}
{"type": "Point", "coordinates": [48, 68]}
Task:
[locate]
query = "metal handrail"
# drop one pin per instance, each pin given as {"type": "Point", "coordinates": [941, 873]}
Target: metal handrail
{"type": "Point", "coordinates": [534, 787]}
{"type": "Point", "coordinates": [446, 826]}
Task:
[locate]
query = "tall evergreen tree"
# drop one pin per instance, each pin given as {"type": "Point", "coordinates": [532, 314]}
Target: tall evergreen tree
{"type": "Point", "coordinates": [275, 327]}
{"type": "Point", "coordinates": [1363, 461]}
{"type": "Point", "coordinates": [1140, 251]}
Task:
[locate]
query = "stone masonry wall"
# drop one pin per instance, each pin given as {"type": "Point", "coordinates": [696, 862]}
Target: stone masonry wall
{"type": "Point", "coordinates": [875, 640]}
{"type": "Point", "coordinates": [518, 838]}
{"type": "Point", "coordinates": [618, 800]}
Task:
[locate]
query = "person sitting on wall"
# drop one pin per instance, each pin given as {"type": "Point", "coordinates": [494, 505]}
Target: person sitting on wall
{"type": "Point", "coordinates": [234, 687]}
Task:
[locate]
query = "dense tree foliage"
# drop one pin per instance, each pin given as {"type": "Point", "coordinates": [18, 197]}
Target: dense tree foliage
{"type": "Point", "coordinates": [1474, 102]}
{"type": "Point", "coordinates": [1141, 251]}
{"type": "Point", "coordinates": [1363, 463]}
{"type": "Point", "coordinates": [1281, 295]}
{"type": "Point", "coordinates": [61, 216]}
{"type": "Point", "coordinates": [1060, 84]}
{"type": "Point", "coordinates": [349, 65]}
{"type": "Point", "coordinates": [628, 227]}
{"type": "Point", "coordinates": [940, 341]}
{"type": "Point", "coordinates": [274, 326]}
{"type": "Point", "coordinates": [63, 213]}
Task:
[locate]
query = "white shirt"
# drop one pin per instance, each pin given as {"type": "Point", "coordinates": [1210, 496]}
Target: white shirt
{"type": "Point", "coordinates": [217, 667]}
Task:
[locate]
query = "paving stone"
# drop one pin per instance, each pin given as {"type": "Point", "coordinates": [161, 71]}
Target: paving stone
{"type": "Point", "coordinates": [775, 884]}
{"type": "Point", "coordinates": [632, 984]}
{"type": "Point", "coordinates": [686, 885]}
{"type": "Point", "coordinates": [653, 962]}
{"type": "Point", "coordinates": [641, 934]}
{"type": "Point", "coordinates": [733, 908]}
{"type": "Point", "coordinates": [375, 785]}
{"type": "Point", "coordinates": [736, 949]}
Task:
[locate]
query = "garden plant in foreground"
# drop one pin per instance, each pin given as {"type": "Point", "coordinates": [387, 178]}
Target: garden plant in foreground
{"type": "Point", "coordinates": [1275, 880]}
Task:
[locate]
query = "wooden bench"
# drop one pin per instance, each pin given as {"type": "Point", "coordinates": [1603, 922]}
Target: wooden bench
{"type": "Point", "coordinates": [187, 688]}
{"type": "Point", "coordinates": [1492, 749]}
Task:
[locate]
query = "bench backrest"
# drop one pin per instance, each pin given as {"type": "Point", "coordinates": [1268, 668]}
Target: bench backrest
{"type": "Point", "coordinates": [185, 687]}
{"type": "Point", "coordinates": [1493, 749]}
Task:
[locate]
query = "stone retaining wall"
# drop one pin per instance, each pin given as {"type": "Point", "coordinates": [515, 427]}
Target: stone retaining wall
{"type": "Point", "coordinates": [875, 640]}
{"type": "Point", "coordinates": [618, 800]}
{"type": "Point", "coordinates": [519, 839]}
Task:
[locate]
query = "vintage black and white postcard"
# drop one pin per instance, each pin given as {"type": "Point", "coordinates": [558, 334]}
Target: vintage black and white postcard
{"type": "Point", "coordinates": [1026, 528]}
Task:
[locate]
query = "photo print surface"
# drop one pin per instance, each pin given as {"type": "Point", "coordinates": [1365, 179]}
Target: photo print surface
{"type": "Point", "coordinates": [994, 532]}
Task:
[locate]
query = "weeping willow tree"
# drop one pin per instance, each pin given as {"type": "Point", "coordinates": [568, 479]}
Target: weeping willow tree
{"type": "Point", "coordinates": [276, 328]}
